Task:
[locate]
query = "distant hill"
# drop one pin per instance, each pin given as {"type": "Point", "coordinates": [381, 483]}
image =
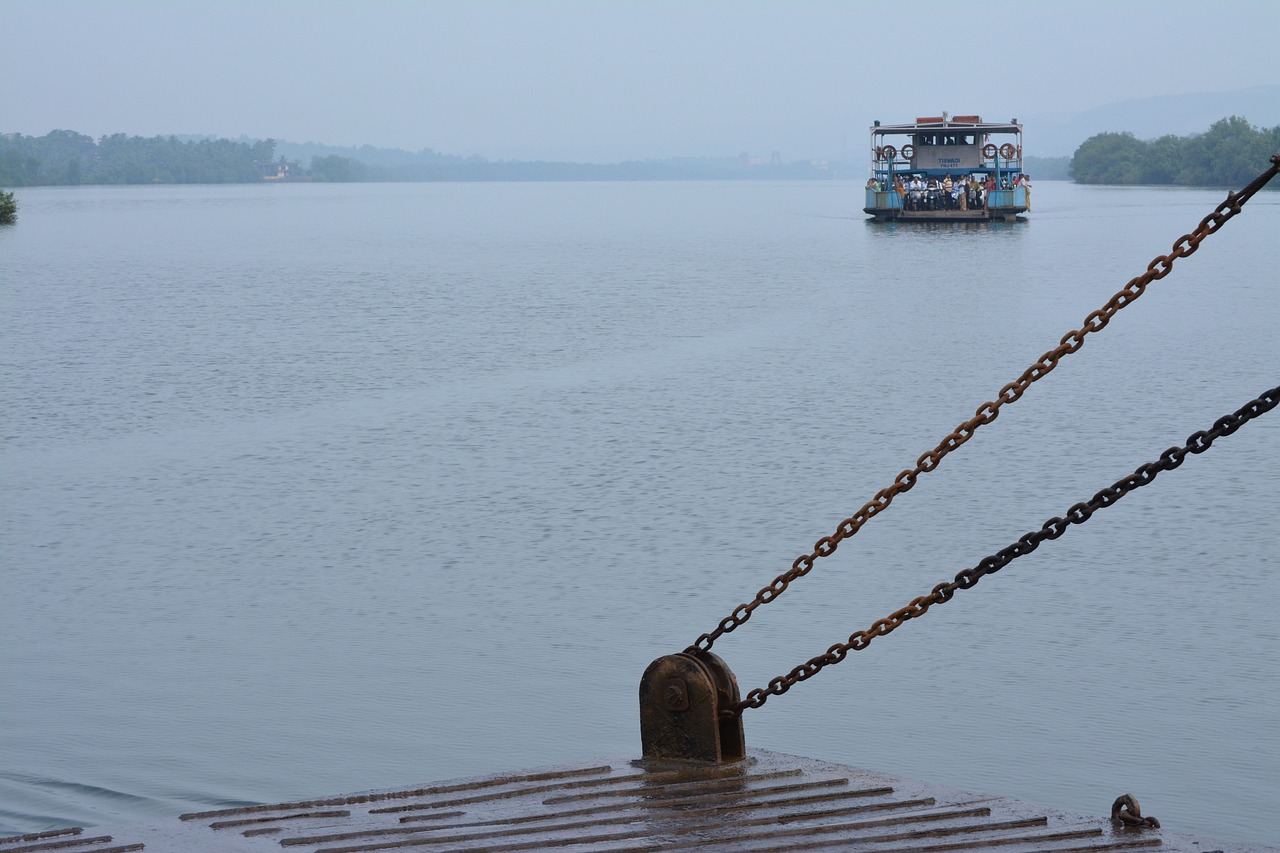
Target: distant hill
{"type": "Point", "coordinates": [368, 154]}
{"type": "Point", "coordinates": [394, 164]}
{"type": "Point", "coordinates": [1150, 118]}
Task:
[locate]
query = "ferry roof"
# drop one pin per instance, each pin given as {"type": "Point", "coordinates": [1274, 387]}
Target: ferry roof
{"type": "Point", "coordinates": [960, 122]}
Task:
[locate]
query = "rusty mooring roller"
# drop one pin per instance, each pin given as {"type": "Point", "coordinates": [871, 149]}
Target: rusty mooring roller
{"type": "Point", "coordinates": [681, 700]}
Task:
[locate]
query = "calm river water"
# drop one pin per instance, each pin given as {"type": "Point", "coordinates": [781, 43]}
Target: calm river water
{"type": "Point", "coordinates": [312, 489]}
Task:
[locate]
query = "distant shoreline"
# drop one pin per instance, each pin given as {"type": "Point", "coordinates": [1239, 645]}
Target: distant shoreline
{"type": "Point", "coordinates": [1231, 153]}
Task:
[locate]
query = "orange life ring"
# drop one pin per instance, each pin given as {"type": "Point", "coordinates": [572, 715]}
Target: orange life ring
{"type": "Point", "coordinates": [989, 150]}
{"type": "Point", "coordinates": [1007, 151]}
{"type": "Point", "coordinates": [890, 152]}
{"type": "Point", "coordinates": [908, 151]}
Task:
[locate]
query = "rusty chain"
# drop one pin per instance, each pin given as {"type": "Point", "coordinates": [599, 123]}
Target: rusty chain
{"type": "Point", "coordinates": [987, 412]}
{"type": "Point", "coordinates": [1079, 513]}
{"type": "Point", "coordinates": [1126, 812]}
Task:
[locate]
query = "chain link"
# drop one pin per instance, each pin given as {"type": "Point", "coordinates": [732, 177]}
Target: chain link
{"type": "Point", "coordinates": [1126, 812]}
{"type": "Point", "coordinates": [989, 411]}
{"type": "Point", "coordinates": [1078, 513]}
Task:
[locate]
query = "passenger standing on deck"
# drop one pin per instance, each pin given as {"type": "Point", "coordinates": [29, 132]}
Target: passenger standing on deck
{"type": "Point", "coordinates": [1026, 187]}
{"type": "Point", "coordinates": [946, 190]}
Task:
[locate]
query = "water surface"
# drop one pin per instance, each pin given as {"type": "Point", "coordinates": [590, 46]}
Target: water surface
{"type": "Point", "coordinates": [313, 489]}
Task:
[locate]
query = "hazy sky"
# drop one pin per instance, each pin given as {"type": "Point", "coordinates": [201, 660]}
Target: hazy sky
{"type": "Point", "coordinates": [605, 80]}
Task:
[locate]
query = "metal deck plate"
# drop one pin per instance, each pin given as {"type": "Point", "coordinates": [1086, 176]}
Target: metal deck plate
{"type": "Point", "coordinates": [769, 802]}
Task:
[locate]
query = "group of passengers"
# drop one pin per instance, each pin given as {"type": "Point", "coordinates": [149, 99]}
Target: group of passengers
{"type": "Point", "coordinates": [965, 192]}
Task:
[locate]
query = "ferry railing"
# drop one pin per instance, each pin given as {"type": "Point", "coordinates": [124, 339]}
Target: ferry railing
{"type": "Point", "coordinates": [884, 199]}
{"type": "Point", "coordinates": [999, 199]}
{"type": "Point", "coordinates": [1003, 198]}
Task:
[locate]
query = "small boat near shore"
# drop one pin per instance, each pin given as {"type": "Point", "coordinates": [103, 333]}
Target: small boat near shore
{"type": "Point", "coordinates": [947, 168]}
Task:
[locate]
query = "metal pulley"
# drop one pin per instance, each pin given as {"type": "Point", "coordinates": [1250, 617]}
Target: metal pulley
{"type": "Point", "coordinates": [682, 697]}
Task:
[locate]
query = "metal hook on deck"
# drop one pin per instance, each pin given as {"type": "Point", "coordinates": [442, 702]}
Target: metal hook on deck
{"type": "Point", "coordinates": [682, 697]}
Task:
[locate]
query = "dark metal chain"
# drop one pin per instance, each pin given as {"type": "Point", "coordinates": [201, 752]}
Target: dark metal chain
{"type": "Point", "coordinates": [1079, 513]}
{"type": "Point", "coordinates": [987, 412]}
{"type": "Point", "coordinates": [1126, 812]}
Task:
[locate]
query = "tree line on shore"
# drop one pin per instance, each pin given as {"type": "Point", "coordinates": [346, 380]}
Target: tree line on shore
{"type": "Point", "coordinates": [63, 157]}
{"type": "Point", "coordinates": [1230, 153]}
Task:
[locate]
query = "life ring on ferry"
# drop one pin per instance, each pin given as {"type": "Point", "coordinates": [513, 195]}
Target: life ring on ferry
{"type": "Point", "coordinates": [989, 150]}
{"type": "Point", "coordinates": [908, 151]}
{"type": "Point", "coordinates": [890, 152]}
{"type": "Point", "coordinates": [1007, 151]}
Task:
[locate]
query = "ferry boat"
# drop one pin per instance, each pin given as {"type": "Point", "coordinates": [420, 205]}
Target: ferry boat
{"type": "Point", "coordinates": [911, 163]}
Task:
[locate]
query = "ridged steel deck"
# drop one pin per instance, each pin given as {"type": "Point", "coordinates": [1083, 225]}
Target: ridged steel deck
{"type": "Point", "coordinates": [770, 802]}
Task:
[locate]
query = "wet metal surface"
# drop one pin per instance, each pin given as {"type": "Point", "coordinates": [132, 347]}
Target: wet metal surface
{"type": "Point", "coordinates": [768, 802]}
